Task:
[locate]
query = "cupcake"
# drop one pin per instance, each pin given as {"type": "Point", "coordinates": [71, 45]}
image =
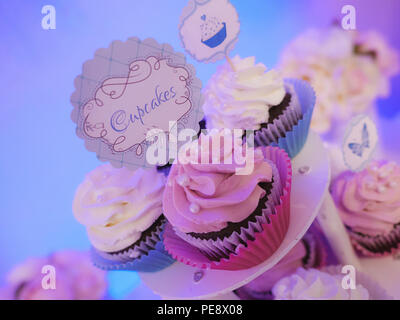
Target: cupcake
{"type": "Point", "coordinates": [89, 282]}
{"type": "Point", "coordinates": [219, 212]}
{"type": "Point", "coordinates": [307, 253]}
{"type": "Point", "coordinates": [348, 71]}
{"type": "Point", "coordinates": [369, 205]}
{"type": "Point", "coordinates": [122, 213]}
{"type": "Point", "coordinates": [314, 284]}
{"type": "Point", "coordinates": [373, 45]}
{"type": "Point", "coordinates": [250, 97]}
{"type": "Point", "coordinates": [76, 278]}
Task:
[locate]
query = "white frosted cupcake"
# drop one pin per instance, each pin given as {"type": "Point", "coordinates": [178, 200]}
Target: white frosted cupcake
{"type": "Point", "coordinates": [313, 284]}
{"type": "Point", "coordinates": [122, 213]}
{"type": "Point", "coordinates": [242, 98]}
{"type": "Point", "coordinates": [245, 95]}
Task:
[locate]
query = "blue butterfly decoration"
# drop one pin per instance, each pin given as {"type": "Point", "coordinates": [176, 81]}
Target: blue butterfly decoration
{"type": "Point", "coordinates": [358, 148]}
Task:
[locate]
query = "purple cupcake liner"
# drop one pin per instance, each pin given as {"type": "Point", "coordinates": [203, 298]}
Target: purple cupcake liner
{"type": "Point", "coordinates": [285, 121]}
{"type": "Point", "coordinates": [245, 294]}
{"type": "Point", "coordinates": [377, 246]}
{"type": "Point", "coordinates": [312, 256]}
{"type": "Point", "coordinates": [148, 256]}
{"type": "Point", "coordinates": [317, 248]}
{"type": "Point", "coordinates": [219, 248]}
{"type": "Point", "coordinates": [294, 125]}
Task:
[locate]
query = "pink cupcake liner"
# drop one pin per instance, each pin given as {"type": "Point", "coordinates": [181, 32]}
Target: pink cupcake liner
{"type": "Point", "coordinates": [266, 241]}
{"type": "Point", "coordinates": [387, 245]}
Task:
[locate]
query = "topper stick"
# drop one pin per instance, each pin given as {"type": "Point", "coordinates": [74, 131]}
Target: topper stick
{"type": "Point", "coordinates": [230, 62]}
{"type": "Point", "coordinates": [336, 234]}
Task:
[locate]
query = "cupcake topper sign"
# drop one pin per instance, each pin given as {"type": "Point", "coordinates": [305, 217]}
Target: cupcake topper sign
{"type": "Point", "coordinates": [359, 143]}
{"type": "Point", "coordinates": [209, 29]}
{"type": "Point", "coordinates": [128, 89]}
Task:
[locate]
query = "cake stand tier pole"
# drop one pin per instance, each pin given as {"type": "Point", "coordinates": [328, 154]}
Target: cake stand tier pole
{"type": "Point", "coordinates": [336, 233]}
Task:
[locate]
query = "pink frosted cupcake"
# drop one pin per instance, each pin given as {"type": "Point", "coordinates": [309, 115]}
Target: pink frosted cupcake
{"type": "Point", "coordinates": [220, 212]}
{"type": "Point", "coordinates": [369, 204]}
{"type": "Point", "coordinates": [76, 278]}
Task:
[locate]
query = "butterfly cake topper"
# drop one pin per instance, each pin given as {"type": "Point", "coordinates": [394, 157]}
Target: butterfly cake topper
{"type": "Point", "coordinates": [359, 143]}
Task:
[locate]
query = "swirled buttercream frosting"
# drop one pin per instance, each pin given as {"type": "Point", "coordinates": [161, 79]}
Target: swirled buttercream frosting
{"type": "Point", "coordinates": [313, 284]}
{"type": "Point", "coordinates": [202, 198]}
{"type": "Point", "coordinates": [117, 205]}
{"type": "Point", "coordinates": [369, 201]}
{"type": "Point", "coordinates": [240, 95]}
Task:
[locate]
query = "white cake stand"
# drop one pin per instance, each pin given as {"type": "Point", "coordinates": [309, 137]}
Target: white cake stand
{"type": "Point", "coordinates": [311, 176]}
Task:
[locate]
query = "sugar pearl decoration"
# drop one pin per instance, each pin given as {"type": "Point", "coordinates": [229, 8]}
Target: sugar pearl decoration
{"type": "Point", "coordinates": [194, 208]}
{"type": "Point", "coordinates": [105, 175]}
{"type": "Point", "coordinates": [182, 180]}
{"type": "Point", "coordinates": [381, 189]}
{"type": "Point", "coordinates": [392, 184]}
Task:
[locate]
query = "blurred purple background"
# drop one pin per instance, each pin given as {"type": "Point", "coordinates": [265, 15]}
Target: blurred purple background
{"type": "Point", "coordinates": [42, 161]}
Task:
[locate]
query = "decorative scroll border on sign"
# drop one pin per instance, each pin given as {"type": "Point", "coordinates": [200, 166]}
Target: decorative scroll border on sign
{"type": "Point", "coordinates": [109, 117]}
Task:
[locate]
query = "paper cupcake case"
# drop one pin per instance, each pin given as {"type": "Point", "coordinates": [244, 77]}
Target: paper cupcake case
{"type": "Point", "coordinates": [295, 129]}
{"type": "Point", "coordinates": [268, 234]}
{"type": "Point", "coordinates": [316, 258]}
{"type": "Point", "coordinates": [149, 256]}
{"type": "Point", "coordinates": [136, 250]}
{"type": "Point", "coordinates": [318, 248]}
{"type": "Point", "coordinates": [377, 246]}
{"type": "Point", "coordinates": [164, 169]}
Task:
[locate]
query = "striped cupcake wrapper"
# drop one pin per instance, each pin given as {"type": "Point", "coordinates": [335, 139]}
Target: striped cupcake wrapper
{"type": "Point", "coordinates": [148, 256]}
{"type": "Point", "coordinates": [377, 246]}
{"type": "Point", "coordinates": [290, 130]}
